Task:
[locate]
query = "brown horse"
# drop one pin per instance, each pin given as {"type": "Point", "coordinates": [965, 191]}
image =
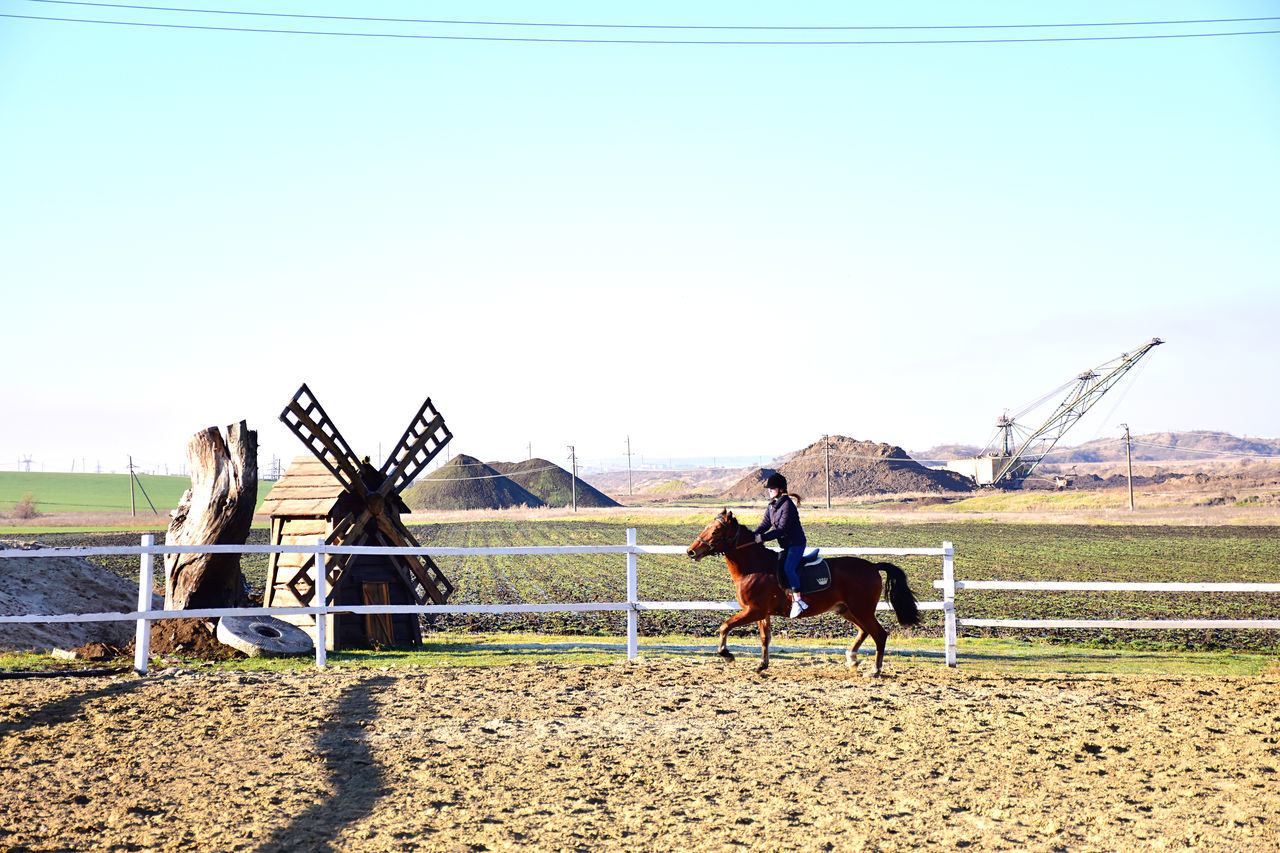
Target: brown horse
{"type": "Point", "coordinates": [855, 589]}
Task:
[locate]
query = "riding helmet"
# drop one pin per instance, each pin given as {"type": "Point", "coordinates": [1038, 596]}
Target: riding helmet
{"type": "Point", "coordinates": [776, 481]}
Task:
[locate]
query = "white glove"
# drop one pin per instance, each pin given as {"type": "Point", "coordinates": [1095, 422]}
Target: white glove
{"type": "Point", "coordinates": [759, 538]}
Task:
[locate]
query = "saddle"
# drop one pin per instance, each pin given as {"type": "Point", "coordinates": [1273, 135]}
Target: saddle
{"type": "Point", "coordinates": [813, 572]}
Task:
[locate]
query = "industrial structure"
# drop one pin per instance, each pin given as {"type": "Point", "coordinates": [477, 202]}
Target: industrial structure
{"type": "Point", "coordinates": [1014, 452]}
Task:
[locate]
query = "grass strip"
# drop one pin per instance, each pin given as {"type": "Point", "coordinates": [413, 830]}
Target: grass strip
{"type": "Point", "coordinates": [997, 656]}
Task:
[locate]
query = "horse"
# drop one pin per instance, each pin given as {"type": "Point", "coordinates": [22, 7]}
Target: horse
{"type": "Point", "coordinates": [855, 589]}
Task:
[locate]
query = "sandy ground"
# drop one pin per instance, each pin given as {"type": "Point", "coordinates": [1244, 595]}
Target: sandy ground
{"type": "Point", "coordinates": [659, 755]}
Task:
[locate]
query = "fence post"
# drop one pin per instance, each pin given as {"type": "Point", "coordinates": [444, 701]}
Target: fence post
{"type": "Point", "coordinates": [632, 642]}
{"type": "Point", "coordinates": [320, 599]}
{"type": "Point", "coordinates": [949, 600]}
{"type": "Point", "coordinates": [142, 639]}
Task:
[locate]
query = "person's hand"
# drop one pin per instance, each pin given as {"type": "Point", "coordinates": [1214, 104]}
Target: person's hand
{"type": "Point", "coordinates": [759, 538]}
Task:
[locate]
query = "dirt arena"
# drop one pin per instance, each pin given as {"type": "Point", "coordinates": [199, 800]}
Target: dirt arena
{"type": "Point", "coordinates": [660, 755]}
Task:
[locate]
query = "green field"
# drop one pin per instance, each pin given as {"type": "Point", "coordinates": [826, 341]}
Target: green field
{"type": "Point", "coordinates": [984, 550]}
{"type": "Point", "coordinates": [72, 493]}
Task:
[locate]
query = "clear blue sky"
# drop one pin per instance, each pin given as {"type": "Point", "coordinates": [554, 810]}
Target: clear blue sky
{"type": "Point", "coordinates": [717, 250]}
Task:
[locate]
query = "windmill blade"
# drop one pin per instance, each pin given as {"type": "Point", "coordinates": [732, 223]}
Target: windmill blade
{"type": "Point", "coordinates": [408, 568]}
{"type": "Point", "coordinates": [437, 586]}
{"type": "Point", "coordinates": [307, 420]}
{"type": "Point", "coordinates": [426, 436]}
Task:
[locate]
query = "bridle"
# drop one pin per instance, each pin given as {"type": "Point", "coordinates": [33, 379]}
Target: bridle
{"type": "Point", "coordinates": [732, 546]}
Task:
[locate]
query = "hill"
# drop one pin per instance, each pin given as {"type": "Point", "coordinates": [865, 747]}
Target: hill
{"type": "Point", "coordinates": [940, 454]}
{"type": "Point", "coordinates": [1198, 445]}
{"type": "Point", "coordinates": [667, 481]}
{"type": "Point", "coordinates": [857, 468]}
{"type": "Point", "coordinates": [1168, 446]}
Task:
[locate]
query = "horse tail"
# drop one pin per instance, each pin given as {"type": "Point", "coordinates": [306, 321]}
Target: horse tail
{"type": "Point", "coordinates": [899, 595]}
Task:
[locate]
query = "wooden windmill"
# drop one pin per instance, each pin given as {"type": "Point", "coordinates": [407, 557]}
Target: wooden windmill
{"type": "Point", "coordinates": [349, 502]}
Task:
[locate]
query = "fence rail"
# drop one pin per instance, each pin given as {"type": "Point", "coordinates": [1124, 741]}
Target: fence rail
{"type": "Point", "coordinates": [633, 605]}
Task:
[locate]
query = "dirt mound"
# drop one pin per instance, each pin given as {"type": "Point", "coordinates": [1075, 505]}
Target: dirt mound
{"type": "Point", "coordinates": [98, 652]}
{"type": "Point", "coordinates": [857, 468]}
{"type": "Point", "coordinates": [51, 586]}
{"type": "Point", "coordinates": [189, 638]}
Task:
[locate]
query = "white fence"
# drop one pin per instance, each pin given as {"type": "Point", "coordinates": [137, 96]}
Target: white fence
{"type": "Point", "coordinates": [633, 605]}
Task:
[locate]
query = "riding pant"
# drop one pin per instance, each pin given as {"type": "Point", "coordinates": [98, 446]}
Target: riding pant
{"type": "Point", "coordinates": [791, 565]}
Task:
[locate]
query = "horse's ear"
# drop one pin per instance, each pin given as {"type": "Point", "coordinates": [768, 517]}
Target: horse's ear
{"type": "Point", "coordinates": [728, 515]}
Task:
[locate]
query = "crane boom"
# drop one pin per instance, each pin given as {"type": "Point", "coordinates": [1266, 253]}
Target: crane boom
{"type": "Point", "coordinates": [1085, 391]}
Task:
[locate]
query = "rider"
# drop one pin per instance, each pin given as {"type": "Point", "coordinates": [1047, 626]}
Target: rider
{"type": "Point", "coordinates": [782, 516]}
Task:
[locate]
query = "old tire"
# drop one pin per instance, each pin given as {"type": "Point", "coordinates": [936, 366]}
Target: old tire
{"type": "Point", "coordinates": [263, 636]}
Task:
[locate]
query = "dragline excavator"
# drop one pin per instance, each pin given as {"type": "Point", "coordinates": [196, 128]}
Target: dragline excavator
{"type": "Point", "coordinates": [1014, 453]}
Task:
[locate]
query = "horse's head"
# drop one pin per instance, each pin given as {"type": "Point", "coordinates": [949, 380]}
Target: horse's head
{"type": "Point", "coordinates": [717, 537]}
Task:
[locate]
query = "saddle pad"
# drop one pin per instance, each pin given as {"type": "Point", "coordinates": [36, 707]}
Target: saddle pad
{"type": "Point", "coordinates": [814, 577]}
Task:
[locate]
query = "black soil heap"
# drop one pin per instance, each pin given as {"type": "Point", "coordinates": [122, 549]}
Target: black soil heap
{"type": "Point", "coordinates": [467, 483]}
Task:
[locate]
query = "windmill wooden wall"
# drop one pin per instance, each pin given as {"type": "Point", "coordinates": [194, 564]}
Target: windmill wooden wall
{"type": "Point", "coordinates": [306, 504]}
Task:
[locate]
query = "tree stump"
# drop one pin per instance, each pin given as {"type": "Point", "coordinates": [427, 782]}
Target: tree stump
{"type": "Point", "coordinates": [216, 510]}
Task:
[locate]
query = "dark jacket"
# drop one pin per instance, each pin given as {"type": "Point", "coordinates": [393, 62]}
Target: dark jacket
{"type": "Point", "coordinates": [782, 516]}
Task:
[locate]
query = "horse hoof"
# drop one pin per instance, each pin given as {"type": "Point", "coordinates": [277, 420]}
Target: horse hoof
{"type": "Point", "coordinates": [762, 667]}
{"type": "Point", "coordinates": [727, 655]}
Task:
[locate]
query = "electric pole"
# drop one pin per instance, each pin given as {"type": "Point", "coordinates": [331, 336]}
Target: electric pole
{"type": "Point", "coordinates": [628, 466]}
{"type": "Point", "coordinates": [826, 451]}
{"type": "Point", "coordinates": [1128, 455]}
{"type": "Point", "coordinates": [133, 509]}
{"type": "Point", "coordinates": [573, 461]}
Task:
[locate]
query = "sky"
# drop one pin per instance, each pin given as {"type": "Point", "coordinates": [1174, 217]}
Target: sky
{"type": "Point", "coordinates": [715, 251]}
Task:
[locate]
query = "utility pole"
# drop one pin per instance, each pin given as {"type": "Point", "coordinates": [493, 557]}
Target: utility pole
{"type": "Point", "coordinates": [573, 461]}
{"type": "Point", "coordinates": [826, 451]}
{"type": "Point", "coordinates": [1128, 455]}
{"type": "Point", "coordinates": [531, 450]}
{"type": "Point", "coordinates": [133, 509]}
{"type": "Point", "coordinates": [628, 466]}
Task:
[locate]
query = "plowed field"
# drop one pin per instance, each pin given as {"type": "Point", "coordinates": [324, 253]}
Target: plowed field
{"type": "Point", "coordinates": [660, 755]}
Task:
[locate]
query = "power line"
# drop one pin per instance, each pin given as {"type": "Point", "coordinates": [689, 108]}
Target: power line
{"type": "Point", "coordinates": [562, 24]}
{"type": "Point", "coordinates": [690, 42]}
{"type": "Point", "coordinates": [513, 474]}
{"type": "Point", "coordinates": [1231, 453]}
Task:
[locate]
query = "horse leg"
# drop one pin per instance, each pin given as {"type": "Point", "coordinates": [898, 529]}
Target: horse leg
{"type": "Point", "coordinates": [765, 635]}
{"type": "Point", "coordinates": [742, 617]}
{"type": "Point", "coordinates": [879, 634]}
{"type": "Point", "coordinates": [851, 655]}
{"type": "Point", "coordinates": [866, 625]}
